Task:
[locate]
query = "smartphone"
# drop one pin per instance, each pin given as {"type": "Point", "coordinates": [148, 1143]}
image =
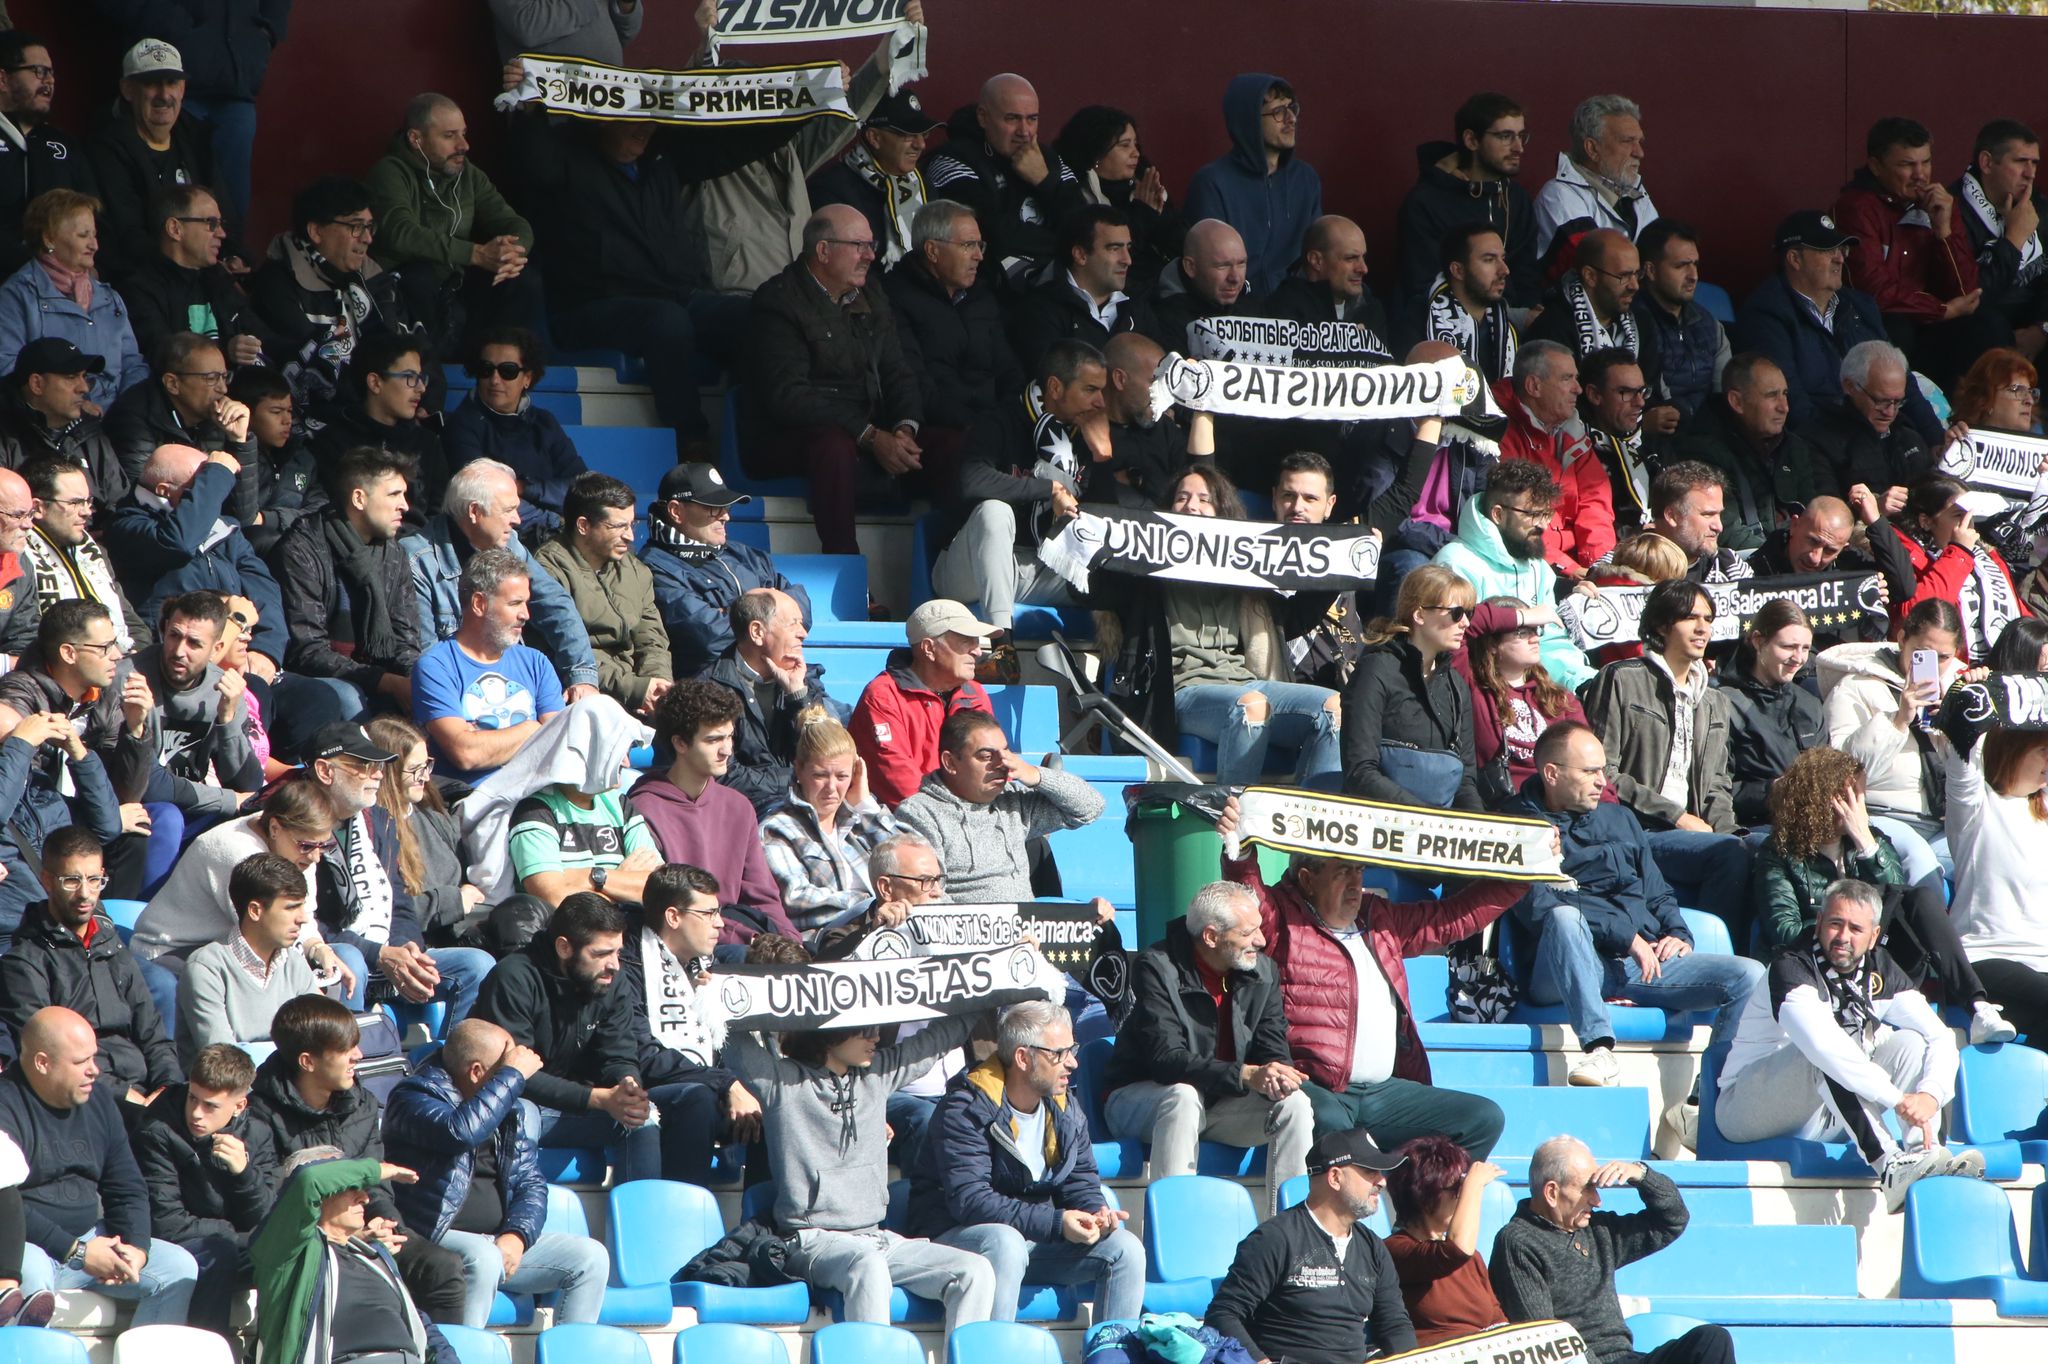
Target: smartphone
{"type": "Point", "coordinates": [1924, 667]}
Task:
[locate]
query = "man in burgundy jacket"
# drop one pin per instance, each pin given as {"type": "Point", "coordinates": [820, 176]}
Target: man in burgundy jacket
{"type": "Point", "coordinates": [1345, 993]}
{"type": "Point", "coordinates": [1912, 253]}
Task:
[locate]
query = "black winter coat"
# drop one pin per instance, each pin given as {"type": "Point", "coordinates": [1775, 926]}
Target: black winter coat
{"type": "Point", "coordinates": [191, 1197]}
{"type": "Point", "coordinates": [142, 419]}
{"type": "Point", "coordinates": [1018, 219]}
{"type": "Point", "coordinates": [764, 744]}
{"type": "Point", "coordinates": [352, 1121]}
{"type": "Point", "coordinates": [1441, 201]}
{"type": "Point", "coordinates": [1854, 453]}
{"type": "Point", "coordinates": [129, 175]}
{"type": "Point", "coordinates": [49, 965]}
{"type": "Point", "coordinates": [964, 365]}
{"type": "Point", "coordinates": [811, 362]}
{"type": "Point", "coordinates": [288, 487]}
{"type": "Point", "coordinates": [341, 426]}
{"type": "Point", "coordinates": [25, 435]}
{"type": "Point", "coordinates": [1055, 311]}
{"type": "Point", "coordinates": [50, 161]}
{"type": "Point", "coordinates": [226, 44]}
{"type": "Point", "coordinates": [1169, 1036]}
{"type": "Point", "coordinates": [585, 1041]}
{"type": "Point", "coordinates": [325, 608]}
{"type": "Point", "coordinates": [164, 297]}
{"type": "Point", "coordinates": [1767, 728]}
{"type": "Point", "coordinates": [1389, 702]}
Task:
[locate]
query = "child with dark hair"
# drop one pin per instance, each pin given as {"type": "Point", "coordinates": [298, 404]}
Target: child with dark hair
{"type": "Point", "coordinates": [1436, 1193]}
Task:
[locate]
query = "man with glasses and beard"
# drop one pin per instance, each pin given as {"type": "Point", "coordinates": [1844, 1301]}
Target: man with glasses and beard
{"type": "Point", "coordinates": [1312, 1284]}
{"type": "Point", "coordinates": [1471, 179]}
{"type": "Point", "coordinates": [28, 86]}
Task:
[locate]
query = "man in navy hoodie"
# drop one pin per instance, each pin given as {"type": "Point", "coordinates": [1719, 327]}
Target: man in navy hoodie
{"type": "Point", "coordinates": [1260, 188]}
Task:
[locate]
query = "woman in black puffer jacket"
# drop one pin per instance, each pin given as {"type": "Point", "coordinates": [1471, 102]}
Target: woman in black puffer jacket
{"type": "Point", "coordinates": [1407, 713]}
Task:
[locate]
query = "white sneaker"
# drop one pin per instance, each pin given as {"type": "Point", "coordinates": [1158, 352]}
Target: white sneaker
{"type": "Point", "coordinates": [1988, 1025]}
{"type": "Point", "coordinates": [1967, 1164]}
{"type": "Point", "coordinates": [1598, 1069]}
{"type": "Point", "coordinates": [1683, 1118]}
{"type": "Point", "coordinates": [1903, 1169]}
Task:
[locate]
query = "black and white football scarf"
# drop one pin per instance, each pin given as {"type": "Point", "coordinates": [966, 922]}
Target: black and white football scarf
{"type": "Point", "coordinates": [1850, 996]}
{"type": "Point", "coordinates": [2032, 260]}
{"type": "Point", "coordinates": [1591, 332]}
{"type": "Point", "coordinates": [1052, 440]}
{"type": "Point", "coordinates": [1450, 323]}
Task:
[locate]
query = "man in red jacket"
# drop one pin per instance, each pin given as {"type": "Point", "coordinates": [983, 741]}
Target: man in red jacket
{"type": "Point", "coordinates": [896, 725]}
{"type": "Point", "coordinates": [1541, 401]}
{"type": "Point", "coordinates": [1345, 993]}
{"type": "Point", "coordinates": [1911, 252]}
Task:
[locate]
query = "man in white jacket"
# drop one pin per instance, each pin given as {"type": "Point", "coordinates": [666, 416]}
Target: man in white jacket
{"type": "Point", "coordinates": [1601, 178]}
{"type": "Point", "coordinates": [1841, 1038]}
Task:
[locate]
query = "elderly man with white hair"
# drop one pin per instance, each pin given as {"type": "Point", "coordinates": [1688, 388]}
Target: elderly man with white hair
{"type": "Point", "coordinates": [1863, 441]}
{"type": "Point", "coordinates": [1204, 1051]}
{"type": "Point", "coordinates": [481, 511]}
{"type": "Point", "coordinates": [1555, 1260]}
{"type": "Point", "coordinates": [1601, 177]}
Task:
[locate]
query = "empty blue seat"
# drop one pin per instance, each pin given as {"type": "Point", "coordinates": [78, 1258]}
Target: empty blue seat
{"type": "Point", "coordinates": [1615, 1122]}
{"type": "Point", "coordinates": [636, 455]}
{"type": "Point", "coordinates": [1719, 306]}
{"type": "Point", "coordinates": [124, 913]}
{"type": "Point", "coordinates": [1029, 715]}
{"type": "Point", "coordinates": [1961, 1243]}
{"type": "Point", "coordinates": [733, 467]}
{"type": "Point", "coordinates": [724, 1342]}
{"type": "Point", "coordinates": [584, 1343]}
{"type": "Point", "coordinates": [37, 1345]}
{"type": "Point", "coordinates": [476, 1346]}
{"type": "Point", "coordinates": [572, 1165]}
{"type": "Point", "coordinates": [1011, 1342]}
{"type": "Point", "coordinates": [1095, 859]}
{"type": "Point", "coordinates": [838, 588]}
{"type": "Point", "coordinates": [865, 1342]}
{"type": "Point", "coordinates": [657, 1226]}
{"type": "Point", "coordinates": [847, 670]}
{"type": "Point", "coordinates": [1192, 1226]}
{"type": "Point", "coordinates": [2000, 1097]}
{"type": "Point", "coordinates": [1723, 1261]}
{"type": "Point", "coordinates": [1651, 1329]}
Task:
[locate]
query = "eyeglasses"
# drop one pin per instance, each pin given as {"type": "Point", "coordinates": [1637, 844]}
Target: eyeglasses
{"type": "Point", "coordinates": [508, 370]}
{"type": "Point", "coordinates": [1636, 392]}
{"type": "Point", "coordinates": [1881, 404]}
{"type": "Point", "coordinates": [935, 881]}
{"type": "Point", "coordinates": [411, 378]}
{"type": "Point", "coordinates": [1512, 135]}
{"type": "Point", "coordinates": [307, 849]}
{"type": "Point", "coordinates": [105, 650]}
{"type": "Point", "coordinates": [213, 377]}
{"type": "Point", "coordinates": [1059, 1055]}
{"type": "Point", "coordinates": [74, 884]}
{"type": "Point", "coordinates": [2032, 395]}
{"type": "Point", "coordinates": [1532, 513]}
{"type": "Point", "coordinates": [1526, 632]}
{"type": "Point", "coordinates": [74, 503]}
{"type": "Point", "coordinates": [1285, 113]}
{"type": "Point", "coordinates": [19, 518]}
{"type": "Point", "coordinates": [1618, 277]}
{"type": "Point", "coordinates": [210, 224]}
{"type": "Point", "coordinates": [977, 247]}
{"type": "Point", "coordinates": [357, 228]}
{"type": "Point", "coordinates": [418, 771]}
{"type": "Point", "coordinates": [865, 248]}
{"type": "Point", "coordinates": [41, 73]}
{"type": "Point", "coordinates": [1458, 614]}
{"type": "Point", "coordinates": [715, 912]}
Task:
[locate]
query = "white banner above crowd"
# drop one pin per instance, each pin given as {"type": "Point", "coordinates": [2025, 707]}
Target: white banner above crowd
{"type": "Point", "coordinates": [1412, 837]}
{"type": "Point", "coordinates": [1533, 1342]}
{"type": "Point", "coordinates": [1834, 602]}
{"type": "Point", "coordinates": [1064, 930]}
{"type": "Point", "coordinates": [1231, 388]}
{"type": "Point", "coordinates": [725, 96]}
{"type": "Point", "coordinates": [860, 994]}
{"type": "Point", "coordinates": [2002, 462]}
{"type": "Point", "coordinates": [1211, 550]}
{"type": "Point", "coordinates": [788, 21]}
{"type": "Point", "coordinates": [1283, 341]}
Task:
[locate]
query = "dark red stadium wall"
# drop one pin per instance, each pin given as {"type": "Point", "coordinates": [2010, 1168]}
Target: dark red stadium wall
{"type": "Point", "coordinates": [1750, 113]}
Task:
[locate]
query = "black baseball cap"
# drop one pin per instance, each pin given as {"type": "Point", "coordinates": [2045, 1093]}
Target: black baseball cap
{"type": "Point", "coordinates": [1811, 228]}
{"type": "Point", "coordinates": [55, 355]}
{"type": "Point", "coordinates": [701, 483]}
{"type": "Point", "coordinates": [1333, 1150]}
{"type": "Point", "coordinates": [902, 112]}
{"type": "Point", "coordinates": [345, 739]}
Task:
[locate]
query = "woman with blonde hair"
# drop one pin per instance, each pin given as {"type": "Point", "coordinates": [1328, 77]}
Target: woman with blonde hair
{"type": "Point", "coordinates": [59, 295]}
{"type": "Point", "coordinates": [429, 843]}
{"type": "Point", "coordinates": [817, 841]}
{"type": "Point", "coordinates": [1640, 560]}
{"type": "Point", "coordinates": [1410, 737]}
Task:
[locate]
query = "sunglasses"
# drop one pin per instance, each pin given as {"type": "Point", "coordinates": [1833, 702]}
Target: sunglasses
{"type": "Point", "coordinates": [1458, 614]}
{"type": "Point", "coordinates": [508, 370]}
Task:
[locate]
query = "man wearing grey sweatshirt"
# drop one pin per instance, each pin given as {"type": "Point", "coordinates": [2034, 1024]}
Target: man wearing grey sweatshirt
{"type": "Point", "coordinates": [205, 766]}
{"type": "Point", "coordinates": [823, 1103]}
{"type": "Point", "coordinates": [984, 804]}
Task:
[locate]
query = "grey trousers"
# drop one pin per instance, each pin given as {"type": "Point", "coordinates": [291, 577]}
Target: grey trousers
{"type": "Point", "coordinates": [864, 1265]}
{"type": "Point", "coordinates": [1786, 1095]}
{"type": "Point", "coordinates": [983, 564]}
{"type": "Point", "coordinates": [1174, 1119]}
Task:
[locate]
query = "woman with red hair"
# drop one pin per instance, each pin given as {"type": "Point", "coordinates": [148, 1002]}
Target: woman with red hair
{"type": "Point", "coordinates": [1436, 1196]}
{"type": "Point", "coordinates": [1999, 393]}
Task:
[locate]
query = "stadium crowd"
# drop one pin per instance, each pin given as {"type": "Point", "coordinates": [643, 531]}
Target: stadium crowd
{"type": "Point", "coordinates": [341, 678]}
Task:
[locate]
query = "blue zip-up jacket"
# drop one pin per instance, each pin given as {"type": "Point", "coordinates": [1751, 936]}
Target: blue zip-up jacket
{"type": "Point", "coordinates": [431, 1128]}
{"type": "Point", "coordinates": [532, 443]}
{"type": "Point", "coordinates": [1271, 212]}
{"type": "Point", "coordinates": [554, 628]}
{"type": "Point", "coordinates": [970, 1171]}
{"type": "Point", "coordinates": [696, 587]}
{"type": "Point", "coordinates": [1778, 322]}
{"type": "Point", "coordinates": [160, 551]}
{"type": "Point", "coordinates": [1620, 891]}
{"type": "Point", "coordinates": [30, 306]}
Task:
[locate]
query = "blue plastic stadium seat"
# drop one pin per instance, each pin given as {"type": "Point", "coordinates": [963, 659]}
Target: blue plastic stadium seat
{"type": "Point", "coordinates": [476, 1346]}
{"type": "Point", "coordinates": [847, 669]}
{"type": "Point", "coordinates": [124, 913]}
{"type": "Point", "coordinates": [36, 1345]}
{"type": "Point", "coordinates": [1011, 1342]}
{"type": "Point", "coordinates": [1749, 1262]}
{"type": "Point", "coordinates": [924, 552]}
{"type": "Point", "coordinates": [1961, 1243]}
{"type": "Point", "coordinates": [636, 455]}
{"type": "Point", "coordinates": [1999, 1098]}
{"type": "Point", "coordinates": [1613, 1122]}
{"type": "Point", "coordinates": [865, 1342]}
{"type": "Point", "coordinates": [752, 534]}
{"type": "Point", "coordinates": [837, 585]}
{"type": "Point", "coordinates": [584, 1343]}
{"type": "Point", "coordinates": [1192, 1226]}
{"type": "Point", "coordinates": [1651, 1329]}
{"type": "Point", "coordinates": [724, 1342]}
{"type": "Point", "coordinates": [657, 1226]}
{"type": "Point", "coordinates": [1030, 716]}
{"type": "Point", "coordinates": [734, 469]}
{"type": "Point", "coordinates": [1715, 300]}
{"type": "Point", "coordinates": [1038, 622]}
{"type": "Point", "coordinates": [1125, 1159]}
{"type": "Point", "coordinates": [561, 377]}
{"type": "Point", "coordinates": [572, 1165]}
{"type": "Point", "coordinates": [432, 1015]}
{"type": "Point", "coordinates": [1095, 859]}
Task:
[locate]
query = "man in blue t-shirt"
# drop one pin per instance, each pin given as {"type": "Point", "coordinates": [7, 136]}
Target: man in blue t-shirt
{"type": "Point", "coordinates": [481, 695]}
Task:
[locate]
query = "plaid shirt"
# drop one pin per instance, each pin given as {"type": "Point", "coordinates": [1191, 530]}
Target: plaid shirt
{"type": "Point", "coordinates": [822, 882]}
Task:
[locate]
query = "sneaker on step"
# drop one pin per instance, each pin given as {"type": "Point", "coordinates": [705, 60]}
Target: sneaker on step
{"type": "Point", "coordinates": [1599, 1068]}
{"type": "Point", "coordinates": [1966, 1164]}
{"type": "Point", "coordinates": [1903, 1169]}
{"type": "Point", "coordinates": [1988, 1025]}
{"type": "Point", "coordinates": [1683, 1118]}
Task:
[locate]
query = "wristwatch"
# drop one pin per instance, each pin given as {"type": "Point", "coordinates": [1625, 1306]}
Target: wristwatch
{"type": "Point", "coordinates": [598, 876]}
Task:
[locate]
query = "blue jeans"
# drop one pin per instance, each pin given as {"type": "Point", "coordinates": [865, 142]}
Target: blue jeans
{"type": "Point", "coordinates": [1115, 1265]}
{"type": "Point", "coordinates": [162, 1296]}
{"type": "Point", "coordinates": [667, 335]}
{"type": "Point", "coordinates": [576, 1266]}
{"type": "Point", "coordinates": [462, 974]}
{"type": "Point", "coordinates": [634, 1153]}
{"type": "Point", "coordinates": [1923, 858]}
{"type": "Point", "coordinates": [1571, 970]}
{"type": "Point", "coordinates": [1709, 872]}
{"type": "Point", "coordinates": [233, 124]}
{"type": "Point", "coordinates": [1297, 719]}
{"type": "Point", "coordinates": [910, 1115]}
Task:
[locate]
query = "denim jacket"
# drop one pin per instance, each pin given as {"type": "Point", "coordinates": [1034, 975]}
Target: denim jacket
{"type": "Point", "coordinates": [555, 629]}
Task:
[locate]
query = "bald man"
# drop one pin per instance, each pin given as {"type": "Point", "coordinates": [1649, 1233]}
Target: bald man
{"type": "Point", "coordinates": [456, 1122]}
{"type": "Point", "coordinates": [1771, 469]}
{"type": "Point", "coordinates": [1330, 287]}
{"type": "Point", "coordinates": [1208, 281]}
{"type": "Point", "coordinates": [20, 609]}
{"type": "Point", "coordinates": [1817, 540]}
{"type": "Point", "coordinates": [173, 534]}
{"type": "Point", "coordinates": [1260, 186]}
{"type": "Point", "coordinates": [1135, 458]}
{"type": "Point", "coordinates": [993, 162]}
{"type": "Point", "coordinates": [830, 396]}
{"type": "Point", "coordinates": [1589, 307]}
{"type": "Point", "coordinates": [84, 1201]}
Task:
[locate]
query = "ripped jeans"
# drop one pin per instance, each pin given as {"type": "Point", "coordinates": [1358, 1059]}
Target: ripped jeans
{"type": "Point", "coordinates": [1296, 718]}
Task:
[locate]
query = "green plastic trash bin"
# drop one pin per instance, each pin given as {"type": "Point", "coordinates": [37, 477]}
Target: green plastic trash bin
{"type": "Point", "coordinates": [1172, 826]}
